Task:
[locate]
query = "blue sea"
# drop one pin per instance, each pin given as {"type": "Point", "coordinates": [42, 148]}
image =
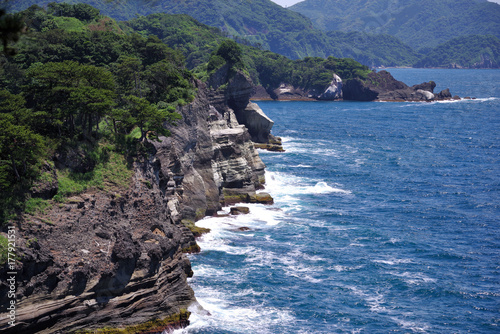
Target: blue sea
{"type": "Point", "coordinates": [386, 220]}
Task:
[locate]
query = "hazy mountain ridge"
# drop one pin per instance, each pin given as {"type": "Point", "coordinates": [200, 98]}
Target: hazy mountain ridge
{"type": "Point", "coordinates": [418, 23]}
{"type": "Point", "coordinates": [269, 26]}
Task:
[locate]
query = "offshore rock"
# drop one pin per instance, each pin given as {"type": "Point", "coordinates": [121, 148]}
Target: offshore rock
{"type": "Point", "coordinates": [239, 210]}
{"type": "Point", "coordinates": [381, 86]}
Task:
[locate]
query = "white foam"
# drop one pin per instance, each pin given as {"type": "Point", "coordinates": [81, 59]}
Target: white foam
{"type": "Point", "coordinates": [414, 278]}
{"type": "Point", "coordinates": [412, 325]}
{"type": "Point", "coordinates": [374, 300]}
{"type": "Point", "coordinates": [283, 185]}
{"type": "Point", "coordinates": [216, 310]}
{"type": "Point", "coordinates": [339, 268]}
{"type": "Point", "coordinates": [485, 99]}
{"type": "Point", "coordinates": [301, 166]}
{"type": "Point", "coordinates": [393, 261]}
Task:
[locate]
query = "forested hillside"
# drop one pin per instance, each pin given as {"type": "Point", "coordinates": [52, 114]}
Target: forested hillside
{"type": "Point", "coordinates": [264, 24]}
{"type": "Point", "coordinates": [418, 23]}
{"type": "Point", "coordinates": [79, 86]}
{"type": "Point", "coordinates": [80, 82]}
{"type": "Point", "coordinates": [476, 51]}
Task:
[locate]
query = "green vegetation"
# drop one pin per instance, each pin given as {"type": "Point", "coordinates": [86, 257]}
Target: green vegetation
{"type": "Point", "coordinates": [78, 84]}
{"type": "Point", "coordinates": [36, 205]}
{"type": "Point", "coordinates": [107, 175]}
{"type": "Point", "coordinates": [209, 50]}
{"type": "Point", "coordinates": [197, 231]}
{"type": "Point", "coordinates": [260, 23]}
{"type": "Point", "coordinates": [374, 33]}
{"type": "Point", "coordinates": [4, 249]}
{"type": "Point", "coordinates": [418, 23]}
{"type": "Point", "coordinates": [153, 326]}
{"type": "Point", "coordinates": [465, 51]}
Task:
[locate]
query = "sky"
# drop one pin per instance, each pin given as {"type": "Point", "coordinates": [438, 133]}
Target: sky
{"type": "Point", "coordinates": [287, 3]}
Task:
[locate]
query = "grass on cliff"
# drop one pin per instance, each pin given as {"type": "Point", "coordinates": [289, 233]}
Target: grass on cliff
{"type": "Point", "coordinates": [111, 172]}
{"type": "Point", "coordinates": [4, 246]}
{"type": "Point", "coordinates": [152, 326]}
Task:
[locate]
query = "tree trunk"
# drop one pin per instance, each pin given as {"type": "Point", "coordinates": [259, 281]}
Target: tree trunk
{"type": "Point", "coordinates": [15, 168]}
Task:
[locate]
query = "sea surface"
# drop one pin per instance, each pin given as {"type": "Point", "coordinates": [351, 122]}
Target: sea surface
{"type": "Point", "coordinates": [386, 220]}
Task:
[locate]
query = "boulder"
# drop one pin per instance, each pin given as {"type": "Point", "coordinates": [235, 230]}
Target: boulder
{"type": "Point", "coordinates": [240, 210]}
{"type": "Point", "coordinates": [444, 94]}
{"type": "Point", "coordinates": [427, 86]}
{"type": "Point", "coordinates": [334, 90]}
{"type": "Point", "coordinates": [427, 95]}
{"type": "Point", "coordinates": [262, 197]}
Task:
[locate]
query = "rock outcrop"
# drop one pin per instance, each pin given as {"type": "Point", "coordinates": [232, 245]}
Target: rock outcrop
{"type": "Point", "coordinates": [117, 258]}
{"type": "Point", "coordinates": [378, 86]}
{"type": "Point", "coordinates": [258, 124]}
{"type": "Point", "coordinates": [381, 86]}
{"type": "Point", "coordinates": [334, 91]}
{"type": "Point", "coordinates": [288, 92]}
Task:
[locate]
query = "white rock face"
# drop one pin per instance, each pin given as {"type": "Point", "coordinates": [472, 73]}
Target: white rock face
{"type": "Point", "coordinates": [334, 91]}
{"type": "Point", "coordinates": [427, 95]}
{"type": "Point", "coordinates": [258, 124]}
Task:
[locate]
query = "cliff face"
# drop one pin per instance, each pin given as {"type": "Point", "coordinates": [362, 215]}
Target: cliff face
{"type": "Point", "coordinates": [117, 259]}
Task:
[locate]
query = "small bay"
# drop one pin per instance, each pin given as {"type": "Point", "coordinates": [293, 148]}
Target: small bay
{"type": "Point", "coordinates": [386, 219]}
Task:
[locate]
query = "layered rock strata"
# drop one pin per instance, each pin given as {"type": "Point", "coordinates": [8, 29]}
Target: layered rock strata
{"type": "Point", "coordinates": [117, 258]}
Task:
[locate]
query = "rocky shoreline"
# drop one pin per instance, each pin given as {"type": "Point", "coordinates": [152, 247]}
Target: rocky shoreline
{"type": "Point", "coordinates": [117, 260]}
{"type": "Point", "coordinates": [378, 86]}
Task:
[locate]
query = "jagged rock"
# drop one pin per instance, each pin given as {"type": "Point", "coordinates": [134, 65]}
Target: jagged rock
{"type": "Point", "coordinates": [239, 210]}
{"type": "Point", "coordinates": [426, 86]}
{"type": "Point", "coordinates": [258, 124]}
{"type": "Point", "coordinates": [444, 94]}
{"type": "Point", "coordinates": [382, 86]}
{"type": "Point", "coordinates": [262, 197]}
{"type": "Point", "coordinates": [427, 95]}
{"type": "Point", "coordinates": [261, 94]}
{"type": "Point", "coordinates": [334, 91]}
{"type": "Point", "coordinates": [288, 92]}
{"type": "Point", "coordinates": [133, 268]}
{"type": "Point", "coordinates": [47, 185]}
{"type": "Point", "coordinates": [274, 144]}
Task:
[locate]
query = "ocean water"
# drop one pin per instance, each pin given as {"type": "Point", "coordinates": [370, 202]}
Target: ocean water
{"type": "Point", "coordinates": [386, 220]}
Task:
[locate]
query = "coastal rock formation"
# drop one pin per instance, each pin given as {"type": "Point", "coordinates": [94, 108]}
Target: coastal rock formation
{"type": "Point", "coordinates": [117, 258]}
{"type": "Point", "coordinates": [378, 86]}
{"type": "Point", "coordinates": [288, 92]}
{"type": "Point", "coordinates": [381, 86]}
{"type": "Point", "coordinates": [334, 91]}
{"type": "Point", "coordinates": [258, 124]}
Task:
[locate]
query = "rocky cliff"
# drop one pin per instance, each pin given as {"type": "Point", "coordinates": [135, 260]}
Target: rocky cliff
{"type": "Point", "coordinates": [117, 258]}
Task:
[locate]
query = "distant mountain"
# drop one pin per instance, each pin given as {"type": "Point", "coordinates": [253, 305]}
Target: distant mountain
{"type": "Point", "coordinates": [418, 23]}
{"type": "Point", "coordinates": [262, 23]}
{"type": "Point", "coordinates": [465, 52]}
{"type": "Point", "coordinates": [372, 30]}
